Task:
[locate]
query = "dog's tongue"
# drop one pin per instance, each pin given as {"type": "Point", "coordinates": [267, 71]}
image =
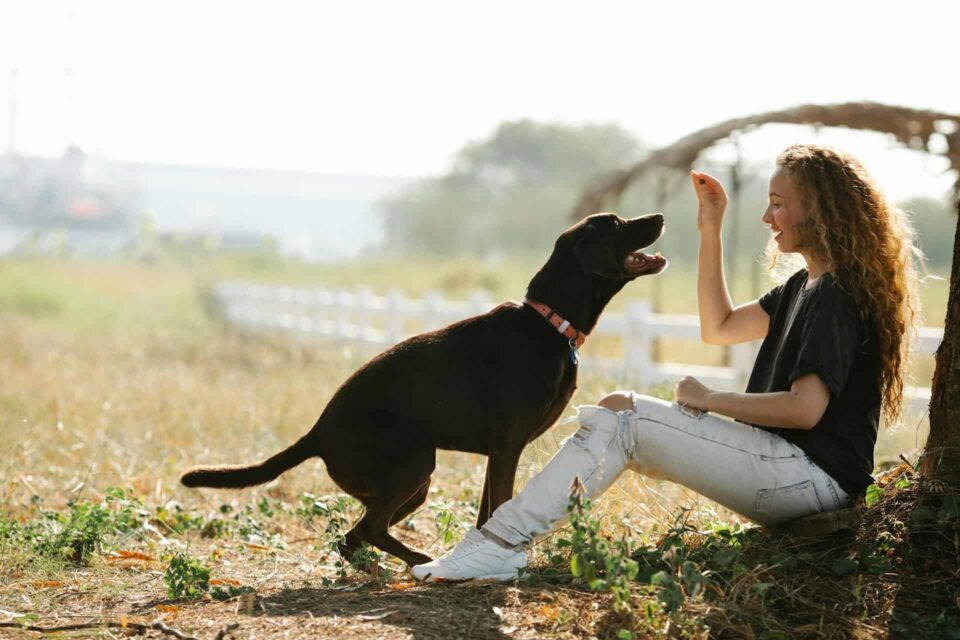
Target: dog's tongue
{"type": "Point", "coordinates": [639, 262]}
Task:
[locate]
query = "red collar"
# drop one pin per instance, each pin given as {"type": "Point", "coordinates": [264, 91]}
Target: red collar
{"type": "Point", "coordinates": [564, 327]}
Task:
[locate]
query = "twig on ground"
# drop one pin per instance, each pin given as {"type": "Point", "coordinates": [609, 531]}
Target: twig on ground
{"type": "Point", "coordinates": [155, 625]}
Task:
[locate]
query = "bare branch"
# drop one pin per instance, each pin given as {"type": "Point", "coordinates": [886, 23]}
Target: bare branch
{"type": "Point", "coordinates": [912, 127]}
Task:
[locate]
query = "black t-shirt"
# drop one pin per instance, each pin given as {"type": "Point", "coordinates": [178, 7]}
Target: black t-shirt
{"type": "Point", "coordinates": [819, 330]}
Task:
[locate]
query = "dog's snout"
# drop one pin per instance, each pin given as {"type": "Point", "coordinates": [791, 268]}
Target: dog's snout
{"type": "Point", "coordinates": [648, 218]}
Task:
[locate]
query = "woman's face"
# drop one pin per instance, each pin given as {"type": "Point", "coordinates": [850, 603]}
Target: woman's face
{"type": "Point", "coordinates": [783, 211]}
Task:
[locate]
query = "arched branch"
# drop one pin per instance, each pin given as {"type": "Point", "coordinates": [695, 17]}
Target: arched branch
{"type": "Point", "coordinates": [912, 127]}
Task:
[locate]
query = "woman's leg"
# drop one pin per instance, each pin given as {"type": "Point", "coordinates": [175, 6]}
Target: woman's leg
{"type": "Point", "coordinates": [751, 471]}
{"type": "Point", "coordinates": [748, 470]}
{"type": "Point", "coordinates": [596, 454]}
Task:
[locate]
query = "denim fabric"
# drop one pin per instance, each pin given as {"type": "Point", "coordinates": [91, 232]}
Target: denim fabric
{"type": "Point", "coordinates": [751, 471]}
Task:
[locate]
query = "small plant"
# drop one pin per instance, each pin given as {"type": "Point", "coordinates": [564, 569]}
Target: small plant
{"type": "Point", "coordinates": [603, 564]}
{"type": "Point", "coordinates": [75, 535]}
{"type": "Point", "coordinates": [335, 534]}
{"type": "Point", "coordinates": [446, 521]}
{"type": "Point", "coordinates": [227, 591]}
{"type": "Point", "coordinates": [369, 560]}
{"type": "Point", "coordinates": [129, 514]}
{"type": "Point", "coordinates": [174, 518]}
{"type": "Point", "coordinates": [186, 577]}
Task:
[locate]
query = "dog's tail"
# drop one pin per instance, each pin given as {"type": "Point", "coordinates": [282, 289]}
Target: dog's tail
{"type": "Point", "coordinates": [237, 476]}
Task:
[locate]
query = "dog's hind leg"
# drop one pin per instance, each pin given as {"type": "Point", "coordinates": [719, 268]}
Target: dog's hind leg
{"type": "Point", "coordinates": [353, 541]}
{"type": "Point", "coordinates": [372, 528]}
{"type": "Point", "coordinates": [393, 497]}
{"type": "Point", "coordinates": [411, 504]}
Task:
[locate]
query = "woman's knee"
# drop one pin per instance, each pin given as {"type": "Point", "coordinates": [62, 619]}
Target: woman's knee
{"type": "Point", "coordinates": [617, 401]}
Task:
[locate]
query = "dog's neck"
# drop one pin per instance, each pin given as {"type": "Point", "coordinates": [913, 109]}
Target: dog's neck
{"type": "Point", "coordinates": [580, 298]}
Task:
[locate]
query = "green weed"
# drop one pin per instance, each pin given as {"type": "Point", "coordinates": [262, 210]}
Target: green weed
{"type": "Point", "coordinates": [186, 577]}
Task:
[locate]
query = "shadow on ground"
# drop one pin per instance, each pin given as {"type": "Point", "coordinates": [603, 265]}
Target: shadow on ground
{"type": "Point", "coordinates": [427, 612]}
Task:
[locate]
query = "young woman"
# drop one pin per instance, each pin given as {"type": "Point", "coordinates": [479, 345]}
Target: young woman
{"type": "Point", "coordinates": [800, 440]}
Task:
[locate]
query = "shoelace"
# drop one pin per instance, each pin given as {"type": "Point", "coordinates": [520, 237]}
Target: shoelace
{"type": "Point", "coordinates": [469, 543]}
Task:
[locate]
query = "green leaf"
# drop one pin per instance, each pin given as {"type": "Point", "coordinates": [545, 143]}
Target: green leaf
{"type": "Point", "coordinates": [843, 566]}
{"type": "Point", "coordinates": [761, 587]}
{"type": "Point", "coordinates": [874, 493]}
{"type": "Point", "coordinates": [576, 567]}
{"type": "Point", "coordinates": [598, 584]}
{"type": "Point", "coordinates": [725, 556]}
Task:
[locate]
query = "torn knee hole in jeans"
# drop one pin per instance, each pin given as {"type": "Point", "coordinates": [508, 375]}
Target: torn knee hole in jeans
{"type": "Point", "coordinates": [580, 435]}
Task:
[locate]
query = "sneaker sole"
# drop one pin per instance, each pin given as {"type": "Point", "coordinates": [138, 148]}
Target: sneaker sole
{"type": "Point", "coordinates": [500, 577]}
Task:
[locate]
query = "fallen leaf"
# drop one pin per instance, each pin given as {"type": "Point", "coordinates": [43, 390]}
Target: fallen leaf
{"type": "Point", "coordinates": [258, 547]}
{"type": "Point", "coordinates": [893, 474]}
{"type": "Point", "coordinates": [46, 584]}
{"type": "Point", "coordinates": [548, 611]}
{"type": "Point", "coordinates": [229, 581]}
{"type": "Point", "coordinates": [167, 608]}
{"type": "Point", "coordinates": [129, 555]}
{"type": "Point", "coordinates": [123, 621]}
{"type": "Point", "coordinates": [401, 586]}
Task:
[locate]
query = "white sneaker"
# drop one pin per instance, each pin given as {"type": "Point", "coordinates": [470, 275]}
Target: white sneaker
{"type": "Point", "coordinates": [475, 557]}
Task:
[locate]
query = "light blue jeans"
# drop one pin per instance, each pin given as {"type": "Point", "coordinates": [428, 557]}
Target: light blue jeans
{"type": "Point", "coordinates": [753, 472]}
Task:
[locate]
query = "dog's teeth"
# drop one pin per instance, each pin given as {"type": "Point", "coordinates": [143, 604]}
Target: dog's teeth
{"type": "Point", "coordinates": [658, 255]}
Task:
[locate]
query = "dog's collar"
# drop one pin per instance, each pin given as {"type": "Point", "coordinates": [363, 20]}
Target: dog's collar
{"type": "Point", "coordinates": [567, 330]}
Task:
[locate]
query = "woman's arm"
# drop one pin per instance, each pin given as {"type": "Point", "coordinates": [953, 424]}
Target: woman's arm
{"type": "Point", "coordinates": [720, 323]}
{"type": "Point", "coordinates": [800, 408]}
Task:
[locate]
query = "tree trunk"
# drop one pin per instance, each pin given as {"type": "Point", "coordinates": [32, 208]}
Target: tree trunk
{"type": "Point", "coordinates": [941, 456]}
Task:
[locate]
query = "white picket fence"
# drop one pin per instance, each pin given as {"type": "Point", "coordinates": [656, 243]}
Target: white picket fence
{"type": "Point", "coordinates": [363, 319]}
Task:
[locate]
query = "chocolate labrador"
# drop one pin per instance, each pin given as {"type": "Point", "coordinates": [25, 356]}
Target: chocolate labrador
{"type": "Point", "coordinates": [488, 384]}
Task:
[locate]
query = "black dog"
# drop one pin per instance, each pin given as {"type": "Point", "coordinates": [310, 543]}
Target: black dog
{"type": "Point", "coordinates": [489, 384]}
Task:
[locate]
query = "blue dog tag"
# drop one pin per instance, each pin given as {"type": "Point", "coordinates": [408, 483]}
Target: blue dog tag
{"type": "Point", "coordinates": [574, 354]}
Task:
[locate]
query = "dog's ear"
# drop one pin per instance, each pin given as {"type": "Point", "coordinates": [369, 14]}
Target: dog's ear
{"type": "Point", "coordinates": [594, 255]}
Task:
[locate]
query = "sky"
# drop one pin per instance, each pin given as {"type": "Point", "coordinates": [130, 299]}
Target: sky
{"type": "Point", "coordinates": [397, 88]}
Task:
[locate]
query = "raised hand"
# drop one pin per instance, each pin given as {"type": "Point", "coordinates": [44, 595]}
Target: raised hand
{"type": "Point", "coordinates": [712, 201]}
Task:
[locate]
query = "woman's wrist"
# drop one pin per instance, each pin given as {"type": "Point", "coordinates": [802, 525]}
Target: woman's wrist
{"type": "Point", "coordinates": [710, 401]}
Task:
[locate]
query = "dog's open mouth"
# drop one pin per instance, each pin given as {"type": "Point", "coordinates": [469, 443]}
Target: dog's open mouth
{"type": "Point", "coordinates": [640, 264]}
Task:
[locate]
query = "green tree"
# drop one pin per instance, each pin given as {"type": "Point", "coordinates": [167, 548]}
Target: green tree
{"type": "Point", "coordinates": [507, 193]}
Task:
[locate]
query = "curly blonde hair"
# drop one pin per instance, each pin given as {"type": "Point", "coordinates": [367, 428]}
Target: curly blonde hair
{"type": "Point", "coordinates": [868, 243]}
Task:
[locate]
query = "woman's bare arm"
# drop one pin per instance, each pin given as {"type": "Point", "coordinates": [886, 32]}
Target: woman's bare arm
{"type": "Point", "coordinates": [720, 322]}
{"type": "Point", "coordinates": [800, 408]}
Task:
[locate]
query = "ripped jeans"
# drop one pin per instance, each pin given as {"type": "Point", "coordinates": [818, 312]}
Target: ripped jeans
{"type": "Point", "coordinates": [753, 472]}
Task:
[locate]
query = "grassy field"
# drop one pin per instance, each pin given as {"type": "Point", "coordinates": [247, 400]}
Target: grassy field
{"type": "Point", "coordinates": [113, 380]}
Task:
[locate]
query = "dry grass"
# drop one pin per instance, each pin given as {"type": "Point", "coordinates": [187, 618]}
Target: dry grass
{"type": "Point", "coordinates": [113, 376]}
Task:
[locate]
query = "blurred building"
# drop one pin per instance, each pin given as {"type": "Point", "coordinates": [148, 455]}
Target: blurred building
{"type": "Point", "coordinates": [74, 203]}
{"type": "Point", "coordinates": [79, 204]}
